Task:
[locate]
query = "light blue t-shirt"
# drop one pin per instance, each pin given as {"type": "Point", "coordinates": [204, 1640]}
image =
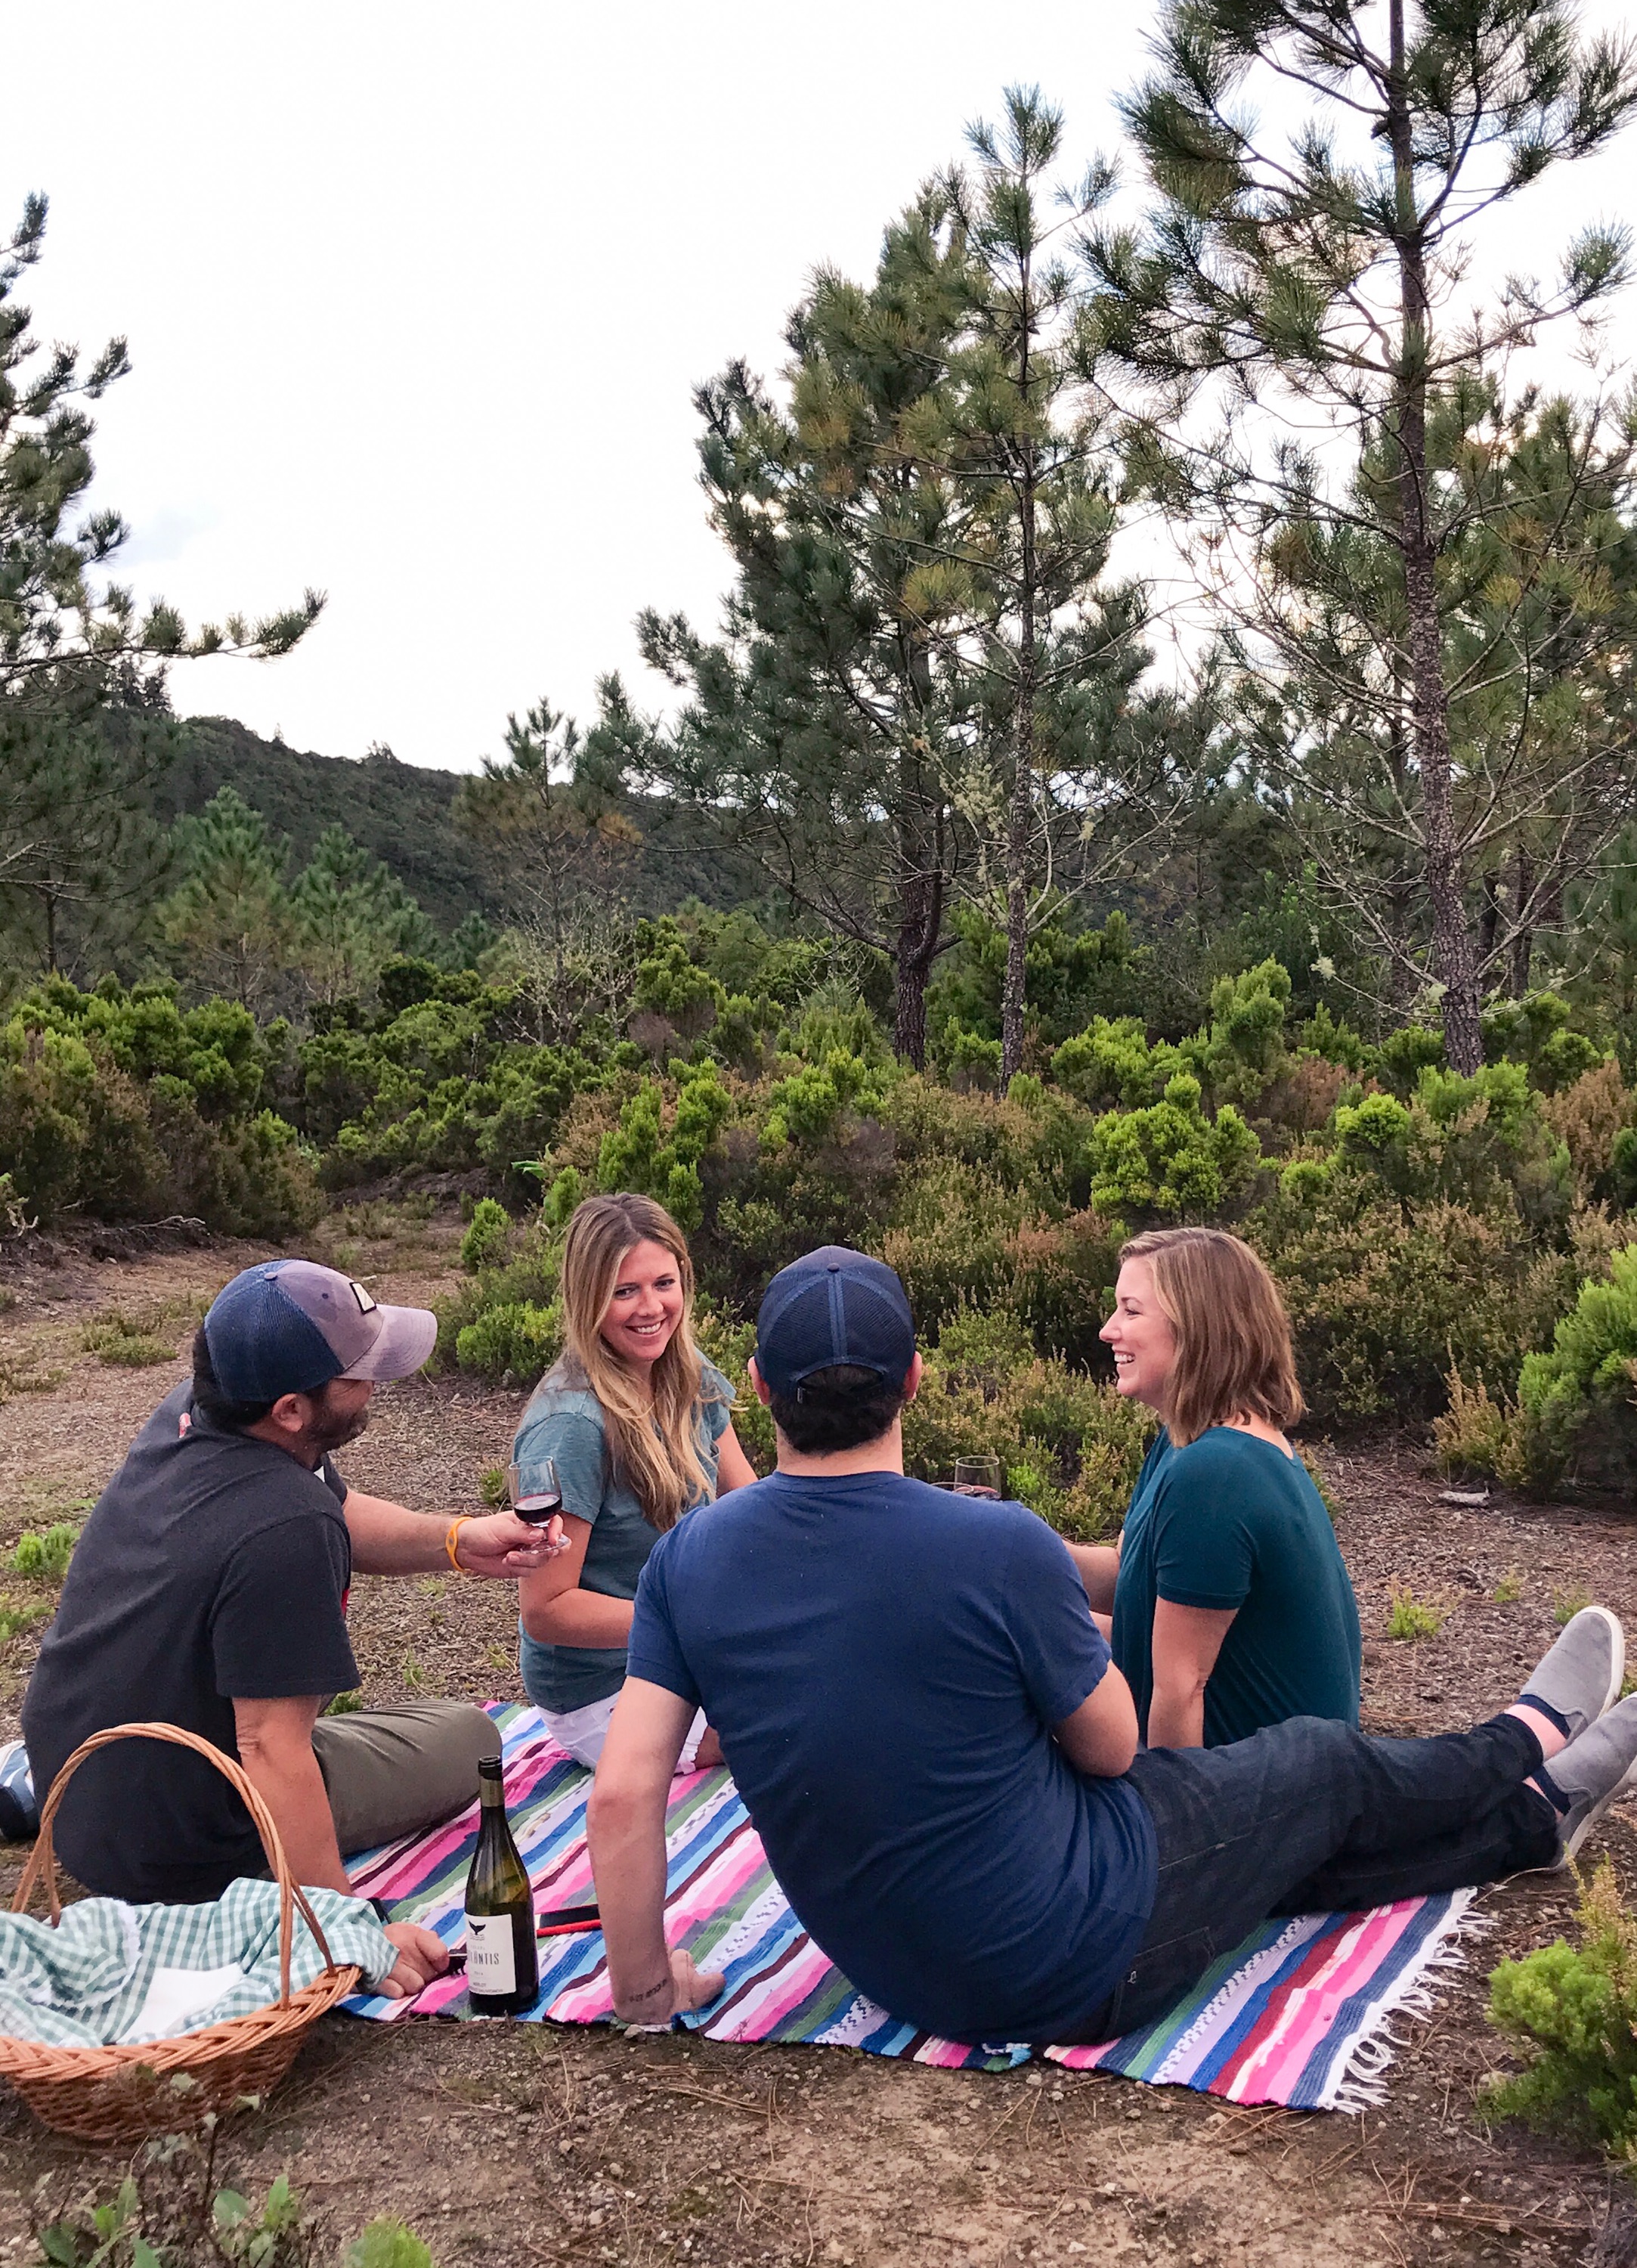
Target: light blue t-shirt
{"type": "Point", "coordinates": [564, 1422]}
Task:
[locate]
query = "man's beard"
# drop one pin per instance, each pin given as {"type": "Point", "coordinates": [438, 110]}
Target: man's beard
{"type": "Point", "coordinates": [332, 1430]}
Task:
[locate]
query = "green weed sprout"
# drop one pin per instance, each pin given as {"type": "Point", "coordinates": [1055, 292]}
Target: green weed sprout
{"type": "Point", "coordinates": [46, 1556]}
{"type": "Point", "coordinates": [1412, 1619]}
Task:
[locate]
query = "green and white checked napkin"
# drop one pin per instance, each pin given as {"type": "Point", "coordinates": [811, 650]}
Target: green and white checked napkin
{"type": "Point", "coordinates": [114, 1975]}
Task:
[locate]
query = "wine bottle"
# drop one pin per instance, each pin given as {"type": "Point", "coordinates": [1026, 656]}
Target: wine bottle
{"type": "Point", "coordinates": [502, 1966]}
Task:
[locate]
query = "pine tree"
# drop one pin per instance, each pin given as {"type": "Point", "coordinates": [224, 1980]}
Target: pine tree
{"type": "Point", "coordinates": [562, 842]}
{"type": "Point", "coordinates": [230, 923]}
{"type": "Point", "coordinates": [350, 916]}
{"type": "Point", "coordinates": [1322, 276]}
{"type": "Point", "coordinates": [82, 668]}
{"type": "Point", "coordinates": [821, 735]}
{"type": "Point", "coordinates": [1053, 650]}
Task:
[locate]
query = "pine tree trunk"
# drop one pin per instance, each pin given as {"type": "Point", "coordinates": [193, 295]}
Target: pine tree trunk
{"type": "Point", "coordinates": [1020, 817]}
{"type": "Point", "coordinates": [1524, 935]}
{"type": "Point", "coordinates": [1453, 959]}
{"type": "Point", "coordinates": [917, 939]}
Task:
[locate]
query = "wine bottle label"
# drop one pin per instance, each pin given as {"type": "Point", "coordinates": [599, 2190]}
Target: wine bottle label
{"type": "Point", "coordinates": [491, 1956]}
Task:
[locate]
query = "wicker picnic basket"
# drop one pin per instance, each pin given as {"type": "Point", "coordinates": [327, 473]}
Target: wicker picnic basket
{"type": "Point", "coordinates": [123, 2094]}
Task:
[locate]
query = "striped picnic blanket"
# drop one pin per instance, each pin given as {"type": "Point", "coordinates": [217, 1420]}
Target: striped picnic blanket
{"type": "Point", "coordinates": [1297, 2015]}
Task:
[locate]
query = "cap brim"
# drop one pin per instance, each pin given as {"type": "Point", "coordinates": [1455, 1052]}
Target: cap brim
{"type": "Point", "coordinates": [405, 1340]}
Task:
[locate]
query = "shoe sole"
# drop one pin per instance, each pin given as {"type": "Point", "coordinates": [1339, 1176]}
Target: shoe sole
{"type": "Point", "coordinates": [1617, 1678]}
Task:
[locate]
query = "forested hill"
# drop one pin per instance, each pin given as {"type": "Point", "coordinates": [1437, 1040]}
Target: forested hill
{"type": "Point", "coordinates": [400, 812]}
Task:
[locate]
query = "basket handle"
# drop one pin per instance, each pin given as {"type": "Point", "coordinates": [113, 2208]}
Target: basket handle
{"type": "Point", "coordinates": [42, 1859]}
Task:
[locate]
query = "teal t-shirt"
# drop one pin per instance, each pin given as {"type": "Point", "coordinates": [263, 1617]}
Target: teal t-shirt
{"type": "Point", "coordinates": [1232, 1521]}
{"type": "Point", "coordinates": [564, 1421]}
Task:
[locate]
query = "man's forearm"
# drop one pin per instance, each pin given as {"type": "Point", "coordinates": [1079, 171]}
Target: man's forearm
{"type": "Point", "coordinates": [290, 1783]}
{"type": "Point", "coordinates": [1177, 1717]}
{"type": "Point", "coordinates": [389, 1539]}
{"type": "Point", "coordinates": [627, 1834]}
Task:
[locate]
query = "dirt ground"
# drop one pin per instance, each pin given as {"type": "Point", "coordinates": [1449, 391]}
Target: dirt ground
{"type": "Point", "coordinates": [514, 2144]}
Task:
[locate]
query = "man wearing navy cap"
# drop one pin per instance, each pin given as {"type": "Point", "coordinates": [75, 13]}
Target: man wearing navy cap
{"type": "Point", "coordinates": [942, 1760]}
{"type": "Point", "coordinates": [209, 1590]}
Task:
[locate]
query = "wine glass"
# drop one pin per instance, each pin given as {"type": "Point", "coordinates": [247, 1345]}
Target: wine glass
{"type": "Point", "coordinates": [542, 1499]}
{"type": "Point", "coordinates": [978, 1476]}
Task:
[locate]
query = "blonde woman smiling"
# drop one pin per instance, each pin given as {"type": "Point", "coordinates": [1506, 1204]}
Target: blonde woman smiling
{"type": "Point", "coordinates": [639, 1428]}
{"type": "Point", "coordinates": [1231, 1605]}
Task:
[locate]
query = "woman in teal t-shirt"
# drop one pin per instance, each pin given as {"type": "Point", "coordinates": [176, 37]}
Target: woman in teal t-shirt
{"type": "Point", "coordinates": [1230, 1602]}
{"type": "Point", "coordinates": [639, 1428]}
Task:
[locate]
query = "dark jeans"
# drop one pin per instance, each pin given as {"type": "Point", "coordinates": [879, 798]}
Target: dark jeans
{"type": "Point", "coordinates": [1310, 1817]}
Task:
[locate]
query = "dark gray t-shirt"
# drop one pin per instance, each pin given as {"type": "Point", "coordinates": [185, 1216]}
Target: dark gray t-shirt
{"type": "Point", "coordinates": [564, 1421]}
{"type": "Point", "coordinates": [213, 1567]}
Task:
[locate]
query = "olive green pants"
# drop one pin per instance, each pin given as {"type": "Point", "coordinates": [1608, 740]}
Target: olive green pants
{"type": "Point", "coordinates": [397, 1772]}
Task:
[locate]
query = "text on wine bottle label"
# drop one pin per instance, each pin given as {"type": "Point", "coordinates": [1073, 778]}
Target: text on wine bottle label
{"type": "Point", "coordinates": [491, 1957]}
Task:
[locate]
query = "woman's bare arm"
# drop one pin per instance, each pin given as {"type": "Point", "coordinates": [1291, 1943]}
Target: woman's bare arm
{"type": "Point", "coordinates": [1186, 1643]}
{"type": "Point", "coordinates": [557, 1612]}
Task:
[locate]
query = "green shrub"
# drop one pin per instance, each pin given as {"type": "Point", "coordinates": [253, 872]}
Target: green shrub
{"type": "Point", "coordinates": [487, 1237]}
{"type": "Point", "coordinates": [1386, 1295]}
{"type": "Point", "coordinates": [513, 1342]}
{"type": "Point", "coordinates": [1170, 1161]}
{"type": "Point", "coordinates": [1069, 1445]}
{"type": "Point", "coordinates": [1576, 1402]}
{"type": "Point", "coordinates": [1573, 2009]}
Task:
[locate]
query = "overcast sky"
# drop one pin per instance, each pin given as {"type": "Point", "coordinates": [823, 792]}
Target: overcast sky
{"type": "Point", "coordinates": [416, 298]}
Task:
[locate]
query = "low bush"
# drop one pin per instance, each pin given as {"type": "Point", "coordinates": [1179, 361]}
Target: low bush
{"type": "Point", "coordinates": [511, 1342]}
{"type": "Point", "coordinates": [1069, 1447]}
{"type": "Point", "coordinates": [1572, 2009]}
{"type": "Point", "coordinates": [488, 1234]}
{"type": "Point", "coordinates": [1478, 1436]}
{"type": "Point", "coordinates": [120, 1105]}
{"type": "Point", "coordinates": [1575, 1403]}
{"type": "Point", "coordinates": [125, 1341]}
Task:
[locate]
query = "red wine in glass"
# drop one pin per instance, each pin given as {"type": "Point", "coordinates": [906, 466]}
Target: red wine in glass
{"type": "Point", "coordinates": [978, 1476]}
{"type": "Point", "coordinates": [541, 1499]}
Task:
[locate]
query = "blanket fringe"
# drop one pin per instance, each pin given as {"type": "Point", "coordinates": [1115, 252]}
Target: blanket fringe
{"type": "Point", "coordinates": [1359, 2083]}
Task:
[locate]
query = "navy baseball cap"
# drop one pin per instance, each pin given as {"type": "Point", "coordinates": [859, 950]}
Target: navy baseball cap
{"type": "Point", "coordinates": [289, 1326]}
{"type": "Point", "coordinates": [833, 1307]}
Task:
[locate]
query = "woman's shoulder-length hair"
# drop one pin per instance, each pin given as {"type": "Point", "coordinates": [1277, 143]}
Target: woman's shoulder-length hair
{"type": "Point", "coordinates": [1234, 1355]}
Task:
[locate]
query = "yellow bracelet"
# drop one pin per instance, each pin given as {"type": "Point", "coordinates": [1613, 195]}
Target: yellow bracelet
{"type": "Point", "coordinates": [455, 1527]}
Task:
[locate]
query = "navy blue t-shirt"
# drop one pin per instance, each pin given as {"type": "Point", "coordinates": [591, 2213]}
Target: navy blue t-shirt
{"type": "Point", "coordinates": [882, 1661]}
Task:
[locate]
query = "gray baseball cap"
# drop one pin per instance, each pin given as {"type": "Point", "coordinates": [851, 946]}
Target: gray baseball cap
{"type": "Point", "coordinates": [289, 1326]}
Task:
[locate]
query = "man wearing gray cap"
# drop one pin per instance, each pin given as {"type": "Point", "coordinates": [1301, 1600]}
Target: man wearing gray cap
{"type": "Point", "coordinates": [209, 1589]}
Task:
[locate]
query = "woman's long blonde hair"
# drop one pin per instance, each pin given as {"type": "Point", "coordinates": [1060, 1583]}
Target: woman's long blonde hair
{"type": "Point", "coordinates": [653, 1445]}
{"type": "Point", "coordinates": [1234, 1356]}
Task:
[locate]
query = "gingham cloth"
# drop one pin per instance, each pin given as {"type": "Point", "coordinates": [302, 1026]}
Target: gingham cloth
{"type": "Point", "coordinates": [114, 1975]}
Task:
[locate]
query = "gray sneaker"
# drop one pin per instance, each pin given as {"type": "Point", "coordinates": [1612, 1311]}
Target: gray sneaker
{"type": "Point", "coordinates": [1592, 1773]}
{"type": "Point", "coordinates": [1582, 1675]}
